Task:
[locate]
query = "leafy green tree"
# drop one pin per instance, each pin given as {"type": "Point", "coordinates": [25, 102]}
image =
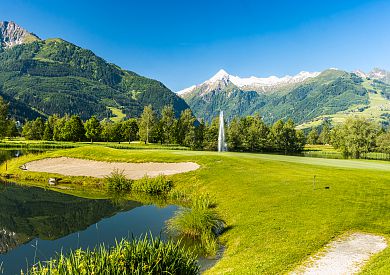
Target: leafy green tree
{"type": "Point", "coordinates": [383, 142]}
{"type": "Point", "coordinates": [300, 141]}
{"type": "Point", "coordinates": [48, 133]}
{"type": "Point", "coordinates": [3, 117]}
{"type": "Point", "coordinates": [199, 136]}
{"type": "Point", "coordinates": [12, 129]}
{"type": "Point", "coordinates": [107, 131]}
{"type": "Point", "coordinates": [130, 129]}
{"type": "Point", "coordinates": [186, 128]}
{"type": "Point", "coordinates": [27, 132]}
{"type": "Point", "coordinates": [168, 124]}
{"type": "Point", "coordinates": [312, 137]}
{"type": "Point", "coordinates": [256, 134]}
{"type": "Point", "coordinates": [277, 136]}
{"type": "Point", "coordinates": [74, 129]}
{"type": "Point", "coordinates": [93, 129]}
{"type": "Point", "coordinates": [210, 141]}
{"type": "Point", "coordinates": [355, 137]}
{"type": "Point", "coordinates": [285, 138]}
{"type": "Point", "coordinates": [59, 127]}
{"type": "Point", "coordinates": [147, 124]}
{"type": "Point", "coordinates": [38, 128]}
{"type": "Point", "coordinates": [117, 132]}
{"type": "Point", "coordinates": [235, 135]}
{"type": "Point", "coordinates": [324, 137]}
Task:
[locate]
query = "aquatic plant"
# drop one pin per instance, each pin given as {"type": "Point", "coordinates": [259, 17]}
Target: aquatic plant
{"type": "Point", "coordinates": [146, 255]}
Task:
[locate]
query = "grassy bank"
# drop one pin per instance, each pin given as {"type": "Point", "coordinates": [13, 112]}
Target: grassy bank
{"type": "Point", "coordinates": [276, 216]}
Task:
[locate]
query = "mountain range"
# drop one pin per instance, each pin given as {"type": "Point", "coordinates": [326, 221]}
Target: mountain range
{"type": "Point", "coordinates": [308, 97]}
{"type": "Point", "coordinates": [44, 77]}
{"type": "Point", "coordinates": [52, 76]}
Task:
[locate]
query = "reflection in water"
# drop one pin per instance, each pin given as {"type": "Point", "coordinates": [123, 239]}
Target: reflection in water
{"type": "Point", "coordinates": [37, 223]}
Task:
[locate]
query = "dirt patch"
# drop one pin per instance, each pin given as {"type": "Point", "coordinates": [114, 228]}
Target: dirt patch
{"type": "Point", "coordinates": [100, 169]}
{"type": "Point", "coordinates": [346, 255]}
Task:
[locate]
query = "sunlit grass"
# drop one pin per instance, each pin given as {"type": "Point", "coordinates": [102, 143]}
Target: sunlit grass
{"type": "Point", "coordinates": [142, 256]}
{"type": "Point", "coordinates": [276, 216]}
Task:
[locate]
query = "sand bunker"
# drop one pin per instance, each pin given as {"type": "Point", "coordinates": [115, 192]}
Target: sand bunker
{"type": "Point", "coordinates": [100, 169]}
{"type": "Point", "coordinates": [346, 255]}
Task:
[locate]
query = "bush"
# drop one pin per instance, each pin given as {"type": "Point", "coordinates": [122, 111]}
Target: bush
{"type": "Point", "coordinates": [142, 256]}
{"type": "Point", "coordinates": [153, 186]}
{"type": "Point", "coordinates": [117, 182]}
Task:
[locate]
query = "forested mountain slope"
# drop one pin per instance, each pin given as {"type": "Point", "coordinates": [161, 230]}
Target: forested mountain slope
{"type": "Point", "coordinates": [302, 100]}
{"type": "Point", "coordinates": [44, 77]}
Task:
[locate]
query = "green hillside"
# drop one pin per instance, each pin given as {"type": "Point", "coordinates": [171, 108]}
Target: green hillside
{"type": "Point", "coordinates": [57, 77]}
{"type": "Point", "coordinates": [377, 109]}
{"type": "Point", "coordinates": [331, 92]}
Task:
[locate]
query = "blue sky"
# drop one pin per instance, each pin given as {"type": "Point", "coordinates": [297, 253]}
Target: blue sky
{"type": "Point", "coordinates": [185, 42]}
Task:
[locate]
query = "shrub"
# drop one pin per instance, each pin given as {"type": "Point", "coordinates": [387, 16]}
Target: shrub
{"type": "Point", "coordinates": [117, 182]}
{"type": "Point", "coordinates": [142, 256]}
{"type": "Point", "coordinates": [153, 186]}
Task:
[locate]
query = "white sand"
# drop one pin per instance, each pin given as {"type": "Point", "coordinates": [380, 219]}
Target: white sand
{"type": "Point", "coordinates": [100, 169]}
{"type": "Point", "coordinates": [346, 255]}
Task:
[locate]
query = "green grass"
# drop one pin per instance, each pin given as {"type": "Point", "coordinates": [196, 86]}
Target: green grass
{"type": "Point", "coordinates": [275, 218]}
{"type": "Point", "coordinates": [118, 114]}
{"type": "Point", "coordinates": [327, 151]}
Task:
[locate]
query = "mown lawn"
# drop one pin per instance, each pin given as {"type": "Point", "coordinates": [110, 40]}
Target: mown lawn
{"type": "Point", "coordinates": [275, 217]}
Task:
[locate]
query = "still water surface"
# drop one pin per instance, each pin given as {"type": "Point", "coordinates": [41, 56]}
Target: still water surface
{"type": "Point", "coordinates": [36, 223]}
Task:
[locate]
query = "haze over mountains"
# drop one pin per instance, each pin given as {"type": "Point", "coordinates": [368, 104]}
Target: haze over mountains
{"type": "Point", "coordinates": [52, 76]}
{"type": "Point", "coordinates": [304, 97]}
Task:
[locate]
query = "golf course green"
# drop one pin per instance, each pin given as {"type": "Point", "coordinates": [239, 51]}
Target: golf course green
{"type": "Point", "coordinates": [278, 209]}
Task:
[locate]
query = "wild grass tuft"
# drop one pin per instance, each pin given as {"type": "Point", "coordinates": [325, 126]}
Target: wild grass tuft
{"type": "Point", "coordinates": [153, 186]}
{"type": "Point", "coordinates": [143, 256]}
{"type": "Point", "coordinates": [200, 223]}
{"type": "Point", "coordinates": [117, 182]}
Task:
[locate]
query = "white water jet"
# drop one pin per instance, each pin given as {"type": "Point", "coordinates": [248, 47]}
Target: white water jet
{"type": "Point", "coordinates": [222, 147]}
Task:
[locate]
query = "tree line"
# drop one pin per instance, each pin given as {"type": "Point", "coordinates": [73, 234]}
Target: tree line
{"type": "Point", "coordinates": [354, 138]}
{"type": "Point", "coordinates": [243, 134]}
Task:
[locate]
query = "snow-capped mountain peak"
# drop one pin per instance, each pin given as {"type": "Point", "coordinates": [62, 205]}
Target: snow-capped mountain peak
{"type": "Point", "coordinates": [256, 83]}
{"type": "Point", "coordinates": [220, 75]}
{"type": "Point", "coordinates": [360, 73]}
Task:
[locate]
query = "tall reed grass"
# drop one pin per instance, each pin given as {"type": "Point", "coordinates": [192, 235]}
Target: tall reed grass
{"type": "Point", "coordinates": [118, 182]}
{"type": "Point", "coordinates": [199, 225]}
{"type": "Point", "coordinates": [146, 255]}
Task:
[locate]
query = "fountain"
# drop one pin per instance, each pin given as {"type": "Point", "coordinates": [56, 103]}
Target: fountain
{"type": "Point", "coordinates": [222, 147]}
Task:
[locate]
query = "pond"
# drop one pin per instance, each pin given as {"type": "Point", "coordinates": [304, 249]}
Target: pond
{"type": "Point", "coordinates": [36, 223]}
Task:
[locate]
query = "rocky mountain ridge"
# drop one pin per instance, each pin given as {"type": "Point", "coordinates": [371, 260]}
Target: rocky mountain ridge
{"type": "Point", "coordinates": [11, 34]}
